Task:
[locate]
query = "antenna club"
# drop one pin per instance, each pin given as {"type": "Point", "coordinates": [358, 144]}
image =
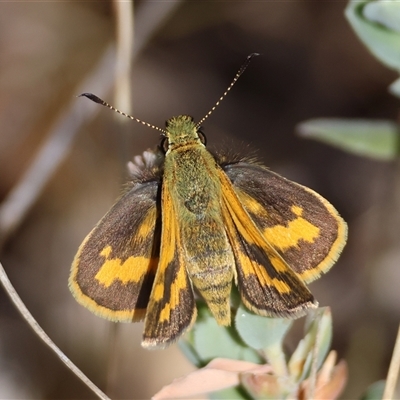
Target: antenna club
{"type": "Point", "coordinates": [250, 56]}
{"type": "Point", "coordinates": [93, 97]}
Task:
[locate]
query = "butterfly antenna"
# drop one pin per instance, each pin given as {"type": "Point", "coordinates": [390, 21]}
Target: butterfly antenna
{"type": "Point", "coordinates": [96, 99]}
{"type": "Point", "coordinates": [237, 76]}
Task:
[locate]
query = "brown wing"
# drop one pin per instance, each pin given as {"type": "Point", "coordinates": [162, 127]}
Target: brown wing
{"type": "Point", "coordinates": [267, 285]}
{"type": "Point", "coordinates": [303, 227]}
{"type": "Point", "coordinates": [172, 309]}
{"type": "Point", "coordinates": [113, 271]}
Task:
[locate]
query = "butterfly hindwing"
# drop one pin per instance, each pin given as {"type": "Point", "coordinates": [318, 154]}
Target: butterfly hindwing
{"type": "Point", "coordinates": [113, 271]}
{"type": "Point", "coordinates": [266, 283]}
{"type": "Point", "coordinates": [303, 227]}
{"type": "Point", "coordinates": [172, 309]}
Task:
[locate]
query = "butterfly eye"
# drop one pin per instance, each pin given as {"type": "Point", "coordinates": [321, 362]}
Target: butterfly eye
{"type": "Point", "coordinates": [202, 137]}
{"type": "Point", "coordinates": [164, 144]}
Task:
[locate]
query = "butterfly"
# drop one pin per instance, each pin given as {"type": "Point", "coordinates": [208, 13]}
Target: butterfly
{"type": "Point", "coordinates": [192, 221]}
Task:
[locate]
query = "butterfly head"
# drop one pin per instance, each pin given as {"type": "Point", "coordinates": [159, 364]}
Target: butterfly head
{"type": "Point", "coordinates": [181, 131]}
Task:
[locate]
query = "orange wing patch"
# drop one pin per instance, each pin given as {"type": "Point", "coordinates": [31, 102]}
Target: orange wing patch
{"type": "Point", "coordinates": [283, 237]}
{"type": "Point", "coordinates": [131, 270]}
{"type": "Point", "coordinates": [299, 229]}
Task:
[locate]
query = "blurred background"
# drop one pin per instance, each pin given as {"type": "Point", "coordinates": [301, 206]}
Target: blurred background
{"type": "Point", "coordinates": [312, 65]}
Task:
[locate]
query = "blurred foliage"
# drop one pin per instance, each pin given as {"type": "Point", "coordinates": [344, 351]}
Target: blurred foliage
{"type": "Point", "coordinates": [375, 139]}
{"type": "Point", "coordinates": [225, 342]}
{"type": "Point", "coordinates": [307, 373]}
{"type": "Point", "coordinates": [374, 391]}
{"type": "Point", "coordinates": [377, 24]}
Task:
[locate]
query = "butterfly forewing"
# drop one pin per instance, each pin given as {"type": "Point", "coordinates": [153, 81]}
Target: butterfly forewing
{"type": "Point", "coordinates": [267, 285]}
{"type": "Point", "coordinates": [113, 271]}
{"type": "Point", "coordinates": [303, 227]}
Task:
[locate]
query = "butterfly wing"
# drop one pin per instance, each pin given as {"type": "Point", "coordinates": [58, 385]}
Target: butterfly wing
{"type": "Point", "coordinates": [113, 271]}
{"type": "Point", "coordinates": [267, 285]}
{"type": "Point", "coordinates": [303, 227]}
{"type": "Point", "coordinates": [172, 308]}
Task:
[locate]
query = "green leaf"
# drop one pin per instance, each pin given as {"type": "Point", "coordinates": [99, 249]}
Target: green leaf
{"type": "Point", "coordinates": [386, 13]}
{"type": "Point", "coordinates": [266, 334]}
{"type": "Point", "coordinates": [186, 347]}
{"type": "Point", "coordinates": [377, 139]}
{"type": "Point", "coordinates": [316, 342]}
{"type": "Point", "coordinates": [319, 323]}
{"type": "Point", "coordinates": [374, 391]}
{"type": "Point", "coordinates": [260, 332]}
{"type": "Point", "coordinates": [379, 38]}
{"type": "Point", "coordinates": [208, 340]}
